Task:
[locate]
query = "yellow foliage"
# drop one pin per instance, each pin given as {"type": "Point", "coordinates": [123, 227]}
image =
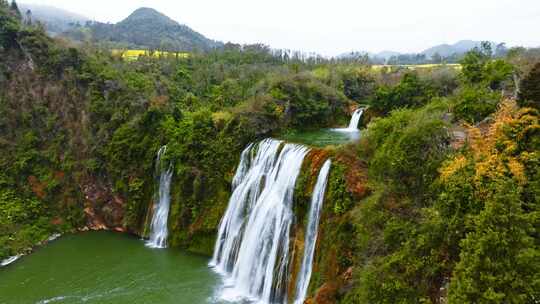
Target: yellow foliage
{"type": "Point", "coordinates": [494, 146]}
{"type": "Point", "coordinates": [453, 166]}
{"type": "Point", "coordinates": [134, 54]}
{"type": "Point", "coordinates": [518, 170]}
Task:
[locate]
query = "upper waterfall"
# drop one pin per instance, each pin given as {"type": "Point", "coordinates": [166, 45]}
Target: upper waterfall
{"type": "Point", "coordinates": [355, 119]}
{"type": "Point", "coordinates": [252, 248]}
{"type": "Point", "coordinates": [317, 200]}
{"type": "Point", "coordinates": [158, 227]}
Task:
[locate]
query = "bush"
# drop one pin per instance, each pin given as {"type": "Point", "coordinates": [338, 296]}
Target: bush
{"type": "Point", "coordinates": [409, 147]}
{"type": "Point", "coordinates": [411, 92]}
{"type": "Point", "coordinates": [473, 104]}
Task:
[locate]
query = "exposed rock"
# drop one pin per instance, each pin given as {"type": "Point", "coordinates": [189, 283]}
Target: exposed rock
{"type": "Point", "coordinates": [326, 294]}
{"type": "Point", "coordinates": [103, 209]}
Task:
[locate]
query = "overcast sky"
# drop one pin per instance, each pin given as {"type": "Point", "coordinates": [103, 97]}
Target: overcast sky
{"type": "Point", "coordinates": [337, 26]}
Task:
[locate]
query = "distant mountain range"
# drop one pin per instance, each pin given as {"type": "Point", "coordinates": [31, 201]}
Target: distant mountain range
{"type": "Point", "coordinates": [444, 50]}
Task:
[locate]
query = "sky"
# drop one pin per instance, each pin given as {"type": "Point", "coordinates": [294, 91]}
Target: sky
{"type": "Point", "coordinates": [333, 27]}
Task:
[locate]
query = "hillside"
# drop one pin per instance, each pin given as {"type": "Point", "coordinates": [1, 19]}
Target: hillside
{"type": "Point", "coordinates": [149, 29]}
{"type": "Point", "coordinates": [56, 20]}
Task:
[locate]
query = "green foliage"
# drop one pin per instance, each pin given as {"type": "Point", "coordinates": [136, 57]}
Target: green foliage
{"type": "Point", "coordinates": [472, 239]}
{"type": "Point", "coordinates": [473, 104]}
{"type": "Point", "coordinates": [9, 28]}
{"type": "Point", "coordinates": [357, 84]}
{"type": "Point", "coordinates": [409, 93]}
{"type": "Point", "coordinates": [337, 190]}
{"type": "Point", "coordinates": [408, 148]}
{"type": "Point", "coordinates": [301, 101]}
{"type": "Point", "coordinates": [479, 68]}
{"type": "Point", "coordinates": [498, 260]}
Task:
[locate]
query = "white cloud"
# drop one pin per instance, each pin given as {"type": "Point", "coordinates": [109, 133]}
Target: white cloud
{"type": "Point", "coordinates": [334, 27]}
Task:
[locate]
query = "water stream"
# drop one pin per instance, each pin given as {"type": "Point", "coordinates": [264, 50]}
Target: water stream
{"type": "Point", "coordinates": [158, 227]}
{"type": "Point", "coordinates": [312, 228]}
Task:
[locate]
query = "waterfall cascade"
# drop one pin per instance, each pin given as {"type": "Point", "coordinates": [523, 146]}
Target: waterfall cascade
{"type": "Point", "coordinates": [252, 248]}
{"type": "Point", "coordinates": [158, 226]}
{"type": "Point", "coordinates": [317, 200]}
{"type": "Point", "coordinates": [353, 125]}
{"type": "Point", "coordinates": [352, 129]}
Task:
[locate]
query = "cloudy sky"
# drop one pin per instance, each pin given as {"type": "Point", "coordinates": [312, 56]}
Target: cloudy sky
{"type": "Point", "coordinates": [337, 26]}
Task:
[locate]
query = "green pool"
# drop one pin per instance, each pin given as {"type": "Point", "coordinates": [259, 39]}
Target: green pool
{"type": "Point", "coordinates": [105, 267]}
{"type": "Point", "coordinates": [322, 137]}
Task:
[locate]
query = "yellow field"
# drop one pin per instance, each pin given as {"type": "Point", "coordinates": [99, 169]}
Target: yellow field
{"type": "Point", "coordinates": [419, 66]}
{"type": "Point", "coordinates": [134, 54]}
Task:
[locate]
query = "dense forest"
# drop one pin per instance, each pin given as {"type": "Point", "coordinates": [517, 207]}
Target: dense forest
{"type": "Point", "coordinates": [438, 202]}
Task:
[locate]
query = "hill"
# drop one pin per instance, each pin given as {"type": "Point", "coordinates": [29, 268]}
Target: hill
{"type": "Point", "coordinates": [149, 29]}
{"type": "Point", "coordinates": [460, 47]}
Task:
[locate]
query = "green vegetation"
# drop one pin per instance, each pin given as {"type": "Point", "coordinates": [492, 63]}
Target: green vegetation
{"type": "Point", "coordinates": [437, 203]}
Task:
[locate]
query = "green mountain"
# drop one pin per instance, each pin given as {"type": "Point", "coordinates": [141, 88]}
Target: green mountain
{"type": "Point", "coordinates": [149, 29]}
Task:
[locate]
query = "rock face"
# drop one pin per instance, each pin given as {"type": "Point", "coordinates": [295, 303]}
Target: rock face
{"type": "Point", "coordinates": [103, 210]}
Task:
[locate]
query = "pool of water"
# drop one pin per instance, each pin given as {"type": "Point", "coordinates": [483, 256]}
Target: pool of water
{"type": "Point", "coordinates": [322, 137]}
{"type": "Point", "coordinates": [106, 267]}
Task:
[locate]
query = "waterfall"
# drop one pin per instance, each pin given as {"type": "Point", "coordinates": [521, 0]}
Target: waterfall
{"type": "Point", "coordinates": [317, 200]}
{"type": "Point", "coordinates": [353, 125]}
{"type": "Point", "coordinates": [158, 226]}
{"type": "Point", "coordinates": [252, 248]}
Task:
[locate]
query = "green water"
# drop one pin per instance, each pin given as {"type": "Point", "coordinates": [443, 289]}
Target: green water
{"type": "Point", "coordinates": [320, 138]}
{"type": "Point", "coordinates": [105, 267]}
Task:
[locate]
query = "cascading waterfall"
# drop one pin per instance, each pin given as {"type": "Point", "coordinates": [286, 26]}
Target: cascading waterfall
{"type": "Point", "coordinates": [252, 248]}
{"type": "Point", "coordinates": [158, 226]}
{"type": "Point", "coordinates": [317, 200]}
{"type": "Point", "coordinates": [353, 125]}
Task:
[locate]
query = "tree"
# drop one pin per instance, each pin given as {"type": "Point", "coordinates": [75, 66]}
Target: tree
{"type": "Point", "coordinates": [497, 262]}
{"type": "Point", "coordinates": [15, 9]}
{"type": "Point", "coordinates": [436, 58]}
{"type": "Point", "coordinates": [473, 64]}
{"type": "Point", "coordinates": [479, 68]}
{"type": "Point", "coordinates": [530, 88]}
{"type": "Point", "coordinates": [28, 19]}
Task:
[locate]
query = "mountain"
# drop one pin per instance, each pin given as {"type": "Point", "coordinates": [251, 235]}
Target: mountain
{"type": "Point", "coordinates": [56, 20]}
{"type": "Point", "coordinates": [453, 51]}
{"type": "Point", "coordinates": [150, 29]}
{"type": "Point", "coordinates": [385, 54]}
{"type": "Point", "coordinates": [460, 47]}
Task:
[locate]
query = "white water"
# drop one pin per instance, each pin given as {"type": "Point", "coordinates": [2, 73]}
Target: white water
{"type": "Point", "coordinates": [10, 260]}
{"type": "Point", "coordinates": [158, 226]}
{"type": "Point", "coordinates": [353, 124]}
{"type": "Point", "coordinates": [252, 248]}
{"type": "Point", "coordinates": [317, 200]}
